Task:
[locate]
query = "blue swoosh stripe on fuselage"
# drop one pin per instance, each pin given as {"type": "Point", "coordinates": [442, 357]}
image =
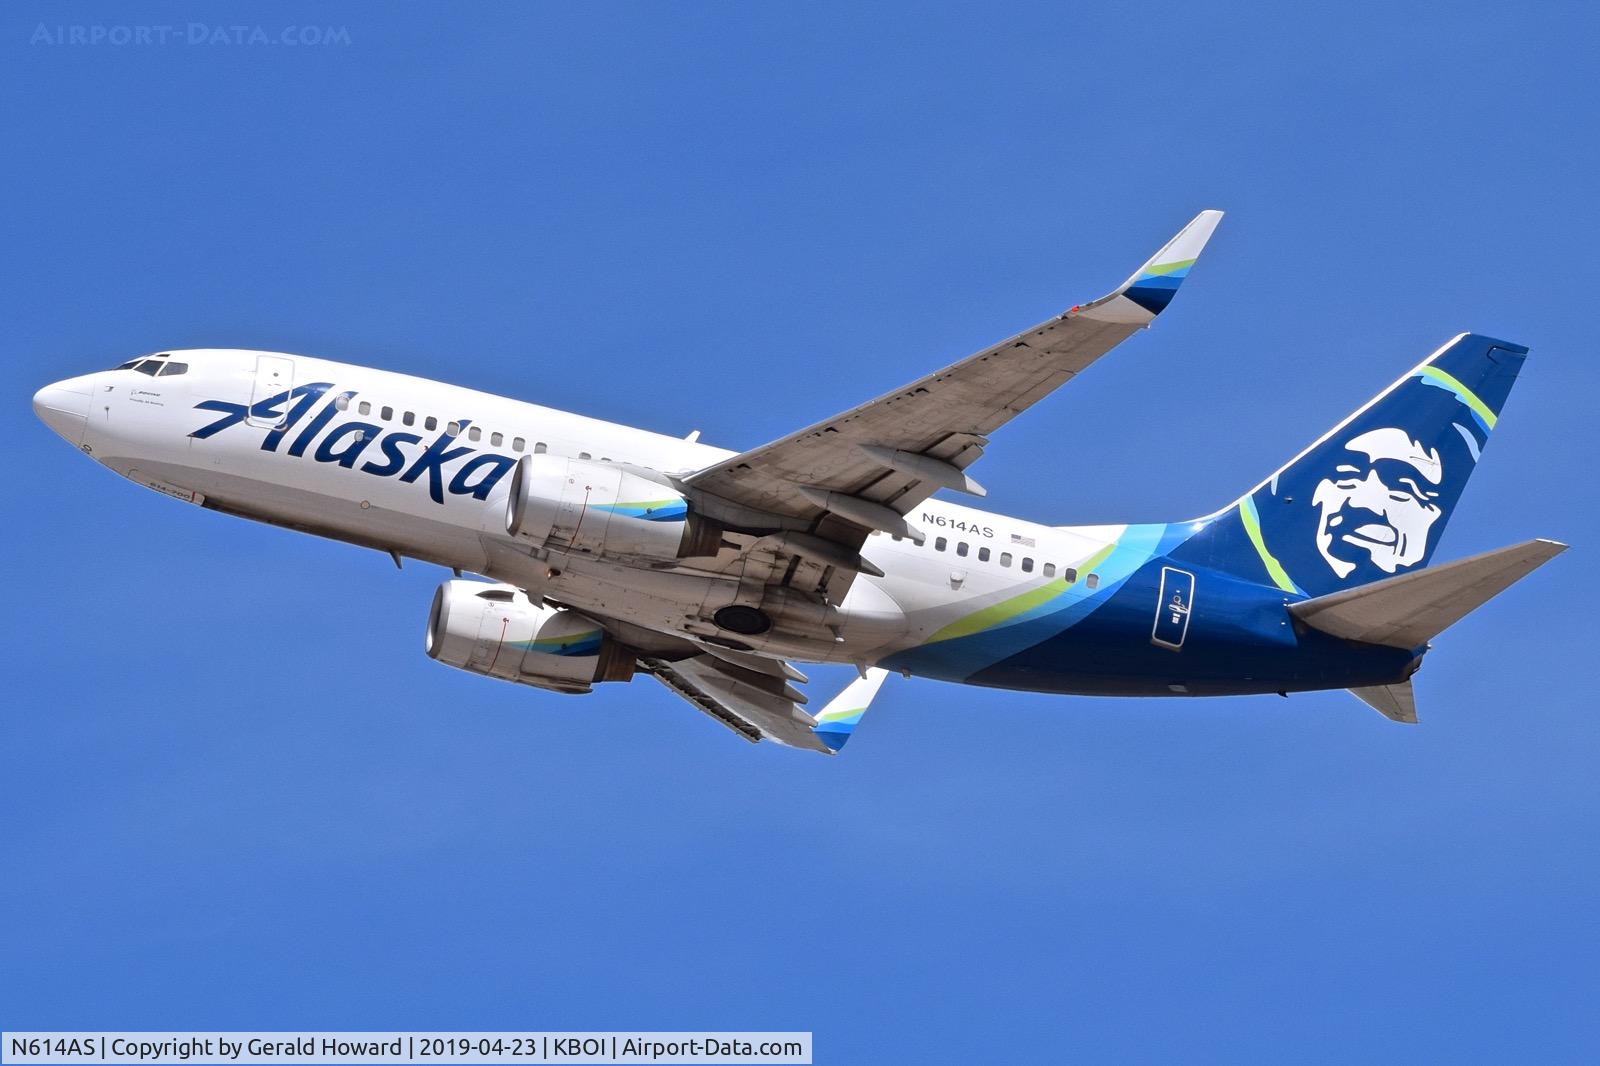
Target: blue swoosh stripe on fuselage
{"type": "Point", "coordinates": [962, 657]}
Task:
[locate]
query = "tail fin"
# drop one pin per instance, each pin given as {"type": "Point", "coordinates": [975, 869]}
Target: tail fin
{"type": "Point", "coordinates": [1369, 499]}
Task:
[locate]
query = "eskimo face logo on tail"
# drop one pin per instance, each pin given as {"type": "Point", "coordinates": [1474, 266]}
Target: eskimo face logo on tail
{"type": "Point", "coordinates": [1379, 504]}
{"type": "Point", "coordinates": [396, 453]}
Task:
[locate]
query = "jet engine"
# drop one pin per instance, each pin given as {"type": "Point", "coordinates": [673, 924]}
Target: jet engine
{"type": "Point", "coordinates": [496, 630]}
{"type": "Point", "coordinates": [600, 508]}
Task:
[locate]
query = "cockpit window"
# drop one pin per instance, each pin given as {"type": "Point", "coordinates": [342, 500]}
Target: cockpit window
{"type": "Point", "coordinates": [174, 369]}
{"type": "Point", "coordinates": [150, 364]}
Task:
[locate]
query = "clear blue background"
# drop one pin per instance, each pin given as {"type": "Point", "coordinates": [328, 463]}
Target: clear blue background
{"type": "Point", "coordinates": [236, 794]}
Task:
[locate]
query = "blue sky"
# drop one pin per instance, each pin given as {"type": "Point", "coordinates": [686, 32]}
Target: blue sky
{"type": "Point", "coordinates": [236, 794]}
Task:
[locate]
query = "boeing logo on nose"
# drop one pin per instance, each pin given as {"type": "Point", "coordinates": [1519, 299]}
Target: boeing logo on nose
{"type": "Point", "coordinates": [345, 443]}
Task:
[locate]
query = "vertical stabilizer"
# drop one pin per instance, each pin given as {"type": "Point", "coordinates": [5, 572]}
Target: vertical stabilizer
{"type": "Point", "coordinates": [1369, 499]}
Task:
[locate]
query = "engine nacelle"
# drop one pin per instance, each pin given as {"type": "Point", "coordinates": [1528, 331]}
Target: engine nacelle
{"type": "Point", "coordinates": [600, 508]}
{"type": "Point", "coordinates": [496, 630]}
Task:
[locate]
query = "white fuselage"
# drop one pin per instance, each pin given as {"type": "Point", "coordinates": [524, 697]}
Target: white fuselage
{"type": "Point", "coordinates": [360, 471]}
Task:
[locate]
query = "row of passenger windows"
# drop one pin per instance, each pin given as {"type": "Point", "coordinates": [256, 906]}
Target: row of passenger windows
{"type": "Point", "coordinates": [1068, 574]}
{"type": "Point", "coordinates": [430, 423]}
{"type": "Point", "coordinates": [160, 364]}
{"type": "Point", "coordinates": [475, 434]}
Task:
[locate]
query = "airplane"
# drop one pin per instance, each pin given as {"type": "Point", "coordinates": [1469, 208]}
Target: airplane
{"type": "Point", "coordinates": [609, 551]}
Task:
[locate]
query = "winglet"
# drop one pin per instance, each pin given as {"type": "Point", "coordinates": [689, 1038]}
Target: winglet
{"type": "Point", "coordinates": [1147, 293]}
{"type": "Point", "coordinates": [843, 713]}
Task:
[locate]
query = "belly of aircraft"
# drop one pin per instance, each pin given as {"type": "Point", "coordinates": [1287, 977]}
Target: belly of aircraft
{"type": "Point", "coordinates": [1231, 643]}
{"type": "Point", "coordinates": [1228, 638]}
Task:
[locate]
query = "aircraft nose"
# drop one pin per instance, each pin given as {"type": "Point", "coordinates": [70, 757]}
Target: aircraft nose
{"type": "Point", "coordinates": [64, 406]}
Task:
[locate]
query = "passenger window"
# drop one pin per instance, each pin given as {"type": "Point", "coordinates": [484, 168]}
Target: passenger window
{"type": "Point", "coordinates": [430, 424]}
{"type": "Point", "coordinates": [983, 555]}
{"type": "Point", "coordinates": [364, 407]}
{"type": "Point", "coordinates": [474, 433]}
{"type": "Point", "coordinates": [386, 414]}
{"type": "Point", "coordinates": [452, 429]}
{"type": "Point", "coordinates": [1070, 574]}
{"type": "Point", "coordinates": [497, 439]}
{"type": "Point", "coordinates": [539, 448]}
{"type": "Point", "coordinates": [939, 544]}
{"type": "Point", "coordinates": [1094, 581]}
{"type": "Point", "coordinates": [1005, 558]}
{"type": "Point", "coordinates": [518, 444]}
{"type": "Point", "coordinates": [174, 369]}
{"type": "Point", "coordinates": [961, 549]}
{"type": "Point", "coordinates": [1049, 569]}
{"type": "Point", "coordinates": [341, 402]}
{"type": "Point", "coordinates": [409, 419]}
{"type": "Point", "coordinates": [1027, 564]}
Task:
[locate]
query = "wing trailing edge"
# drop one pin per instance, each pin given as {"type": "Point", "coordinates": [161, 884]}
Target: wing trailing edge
{"type": "Point", "coordinates": [874, 463]}
{"type": "Point", "coordinates": [756, 701]}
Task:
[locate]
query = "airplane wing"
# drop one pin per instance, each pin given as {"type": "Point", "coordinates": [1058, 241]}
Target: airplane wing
{"type": "Point", "coordinates": [752, 694]}
{"type": "Point", "coordinates": [753, 698]}
{"type": "Point", "coordinates": [867, 467]}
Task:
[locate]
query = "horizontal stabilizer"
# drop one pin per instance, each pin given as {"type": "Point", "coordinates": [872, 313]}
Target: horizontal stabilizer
{"type": "Point", "coordinates": [1395, 702]}
{"type": "Point", "coordinates": [1409, 610]}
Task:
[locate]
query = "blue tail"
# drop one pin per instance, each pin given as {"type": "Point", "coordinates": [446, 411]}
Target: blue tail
{"type": "Point", "coordinates": [1370, 498]}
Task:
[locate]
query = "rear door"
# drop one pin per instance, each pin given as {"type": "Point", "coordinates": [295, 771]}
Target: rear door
{"type": "Point", "coordinates": [1173, 606]}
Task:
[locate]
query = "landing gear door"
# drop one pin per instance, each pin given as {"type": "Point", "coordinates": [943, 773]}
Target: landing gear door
{"type": "Point", "coordinates": [274, 377]}
{"type": "Point", "coordinates": [1174, 604]}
